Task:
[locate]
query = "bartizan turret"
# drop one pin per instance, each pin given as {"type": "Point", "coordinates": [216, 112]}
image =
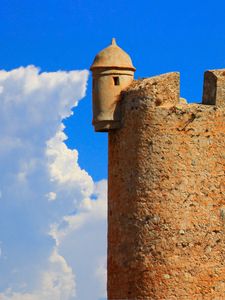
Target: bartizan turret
{"type": "Point", "coordinates": [112, 71]}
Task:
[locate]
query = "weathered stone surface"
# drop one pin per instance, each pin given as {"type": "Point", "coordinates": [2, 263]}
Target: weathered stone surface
{"type": "Point", "coordinates": [112, 72]}
{"type": "Point", "coordinates": [163, 90]}
{"type": "Point", "coordinates": [166, 214]}
{"type": "Point", "coordinates": [214, 87]}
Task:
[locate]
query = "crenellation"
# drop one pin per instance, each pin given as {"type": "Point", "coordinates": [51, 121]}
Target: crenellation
{"type": "Point", "coordinates": [214, 87]}
{"type": "Point", "coordinates": [164, 90]}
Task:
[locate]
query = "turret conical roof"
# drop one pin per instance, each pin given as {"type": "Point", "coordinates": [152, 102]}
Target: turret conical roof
{"type": "Point", "coordinates": [112, 57]}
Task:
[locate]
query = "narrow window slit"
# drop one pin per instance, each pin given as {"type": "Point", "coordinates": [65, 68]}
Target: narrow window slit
{"type": "Point", "coordinates": [116, 80]}
{"type": "Point", "coordinates": [93, 83]}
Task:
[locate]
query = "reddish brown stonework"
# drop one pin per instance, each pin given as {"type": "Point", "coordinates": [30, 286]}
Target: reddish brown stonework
{"type": "Point", "coordinates": [166, 214]}
{"type": "Point", "coordinates": [214, 87]}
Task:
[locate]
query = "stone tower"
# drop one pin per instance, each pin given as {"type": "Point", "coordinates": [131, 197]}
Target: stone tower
{"type": "Point", "coordinates": [112, 71]}
{"type": "Point", "coordinates": [166, 192]}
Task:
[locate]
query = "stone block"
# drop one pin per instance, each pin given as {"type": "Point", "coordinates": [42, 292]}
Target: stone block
{"type": "Point", "coordinates": [214, 87]}
{"type": "Point", "coordinates": [161, 90]}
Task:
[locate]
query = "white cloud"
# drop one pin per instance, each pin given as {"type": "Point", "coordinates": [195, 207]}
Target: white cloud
{"type": "Point", "coordinates": [84, 232]}
{"type": "Point", "coordinates": [51, 196]}
{"type": "Point", "coordinates": [50, 209]}
{"type": "Point", "coordinates": [55, 283]}
{"type": "Point", "coordinates": [101, 274]}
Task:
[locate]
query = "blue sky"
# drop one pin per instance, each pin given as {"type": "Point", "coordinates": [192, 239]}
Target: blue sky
{"type": "Point", "coordinates": [45, 185]}
{"type": "Point", "coordinates": [160, 36]}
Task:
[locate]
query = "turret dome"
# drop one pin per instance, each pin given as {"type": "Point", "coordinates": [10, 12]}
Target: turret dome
{"type": "Point", "coordinates": [112, 57]}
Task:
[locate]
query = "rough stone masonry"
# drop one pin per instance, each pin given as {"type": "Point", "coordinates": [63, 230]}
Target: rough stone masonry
{"type": "Point", "coordinates": [166, 214]}
{"type": "Point", "coordinates": [166, 186]}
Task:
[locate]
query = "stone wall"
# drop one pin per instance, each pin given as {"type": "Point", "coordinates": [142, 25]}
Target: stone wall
{"type": "Point", "coordinates": [166, 214]}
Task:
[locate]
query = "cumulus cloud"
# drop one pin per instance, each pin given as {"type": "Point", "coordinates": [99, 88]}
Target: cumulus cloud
{"type": "Point", "coordinates": [55, 283]}
{"type": "Point", "coordinates": [52, 214]}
